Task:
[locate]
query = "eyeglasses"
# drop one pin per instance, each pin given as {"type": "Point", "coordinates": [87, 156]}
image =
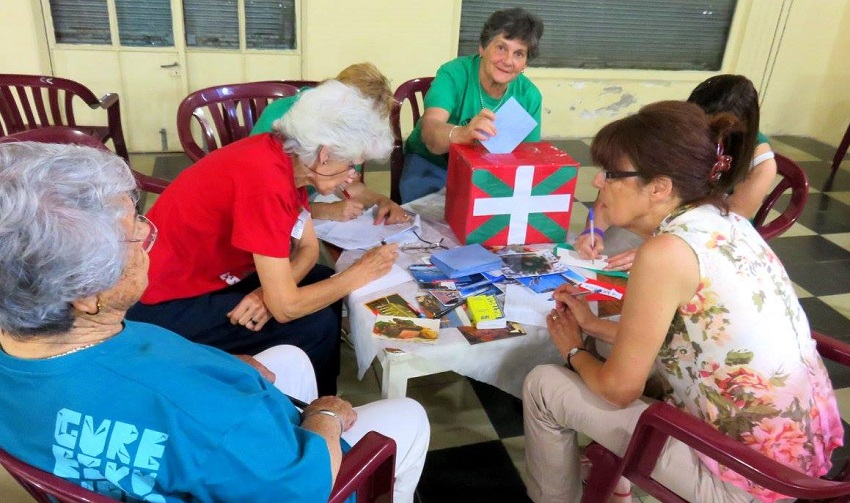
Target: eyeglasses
{"type": "Point", "coordinates": [346, 170]}
{"type": "Point", "coordinates": [615, 175]}
{"type": "Point", "coordinates": [423, 245]}
{"type": "Point", "coordinates": [144, 231]}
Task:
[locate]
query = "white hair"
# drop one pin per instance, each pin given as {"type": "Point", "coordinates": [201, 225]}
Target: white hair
{"type": "Point", "coordinates": [338, 117]}
{"type": "Point", "coordinates": [60, 231]}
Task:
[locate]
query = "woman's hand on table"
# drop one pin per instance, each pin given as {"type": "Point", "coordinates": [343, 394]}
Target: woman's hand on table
{"type": "Point", "coordinates": [340, 211]}
{"type": "Point", "coordinates": [387, 212]}
{"type": "Point", "coordinates": [622, 261]}
{"type": "Point", "coordinates": [251, 312]}
{"type": "Point", "coordinates": [375, 263]}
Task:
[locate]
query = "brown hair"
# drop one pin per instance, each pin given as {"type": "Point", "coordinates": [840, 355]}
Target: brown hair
{"type": "Point", "coordinates": [677, 140]}
{"type": "Point", "coordinates": [513, 24]}
{"type": "Point", "coordinates": [737, 95]}
{"type": "Point", "coordinates": [371, 82]}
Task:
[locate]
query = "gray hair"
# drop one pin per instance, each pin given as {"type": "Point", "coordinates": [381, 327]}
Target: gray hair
{"type": "Point", "coordinates": [338, 117]}
{"type": "Point", "coordinates": [60, 232]}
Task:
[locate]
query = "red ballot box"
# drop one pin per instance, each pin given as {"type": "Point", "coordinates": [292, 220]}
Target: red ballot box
{"type": "Point", "coordinates": [518, 198]}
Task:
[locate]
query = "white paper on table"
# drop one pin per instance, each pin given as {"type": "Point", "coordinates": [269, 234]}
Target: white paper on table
{"type": "Point", "coordinates": [513, 123]}
{"type": "Point", "coordinates": [361, 233]}
{"type": "Point", "coordinates": [572, 258]}
{"type": "Point", "coordinates": [396, 276]}
{"type": "Point", "coordinates": [526, 307]}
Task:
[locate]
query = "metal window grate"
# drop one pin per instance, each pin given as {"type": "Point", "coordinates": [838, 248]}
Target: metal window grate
{"type": "Point", "coordinates": [211, 23]}
{"type": "Point", "coordinates": [645, 34]}
{"type": "Point", "coordinates": [144, 23]}
{"type": "Point", "coordinates": [270, 24]}
{"type": "Point", "coordinates": [80, 21]}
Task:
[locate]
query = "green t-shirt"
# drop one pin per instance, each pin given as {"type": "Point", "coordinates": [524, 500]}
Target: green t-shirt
{"type": "Point", "coordinates": [456, 89]}
{"type": "Point", "coordinates": [274, 111]}
{"type": "Point", "coordinates": [761, 138]}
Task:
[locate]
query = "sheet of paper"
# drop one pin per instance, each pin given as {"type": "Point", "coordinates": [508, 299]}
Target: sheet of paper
{"type": "Point", "coordinates": [572, 259]}
{"type": "Point", "coordinates": [524, 306]}
{"type": "Point", "coordinates": [513, 124]}
{"type": "Point", "coordinates": [396, 276]}
{"type": "Point", "coordinates": [362, 233]}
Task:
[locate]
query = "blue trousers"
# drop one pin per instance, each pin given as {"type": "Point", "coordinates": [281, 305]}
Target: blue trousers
{"type": "Point", "coordinates": [420, 177]}
{"type": "Point", "coordinates": [204, 320]}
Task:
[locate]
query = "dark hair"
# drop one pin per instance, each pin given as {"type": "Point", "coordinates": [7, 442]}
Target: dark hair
{"type": "Point", "coordinates": [673, 139]}
{"type": "Point", "coordinates": [516, 23]}
{"type": "Point", "coordinates": [734, 94]}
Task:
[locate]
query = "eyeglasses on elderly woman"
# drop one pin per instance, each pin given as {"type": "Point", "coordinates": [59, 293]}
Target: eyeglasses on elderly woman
{"type": "Point", "coordinates": [144, 232]}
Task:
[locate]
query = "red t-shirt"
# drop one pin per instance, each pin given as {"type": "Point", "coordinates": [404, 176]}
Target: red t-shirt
{"type": "Point", "coordinates": [237, 201]}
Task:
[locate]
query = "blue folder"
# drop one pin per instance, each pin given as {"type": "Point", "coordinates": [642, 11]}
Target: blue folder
{"type": "Point", "coordinates": [466, 260]}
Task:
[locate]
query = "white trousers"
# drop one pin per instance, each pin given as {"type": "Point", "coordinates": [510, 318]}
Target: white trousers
{"type": "Point", "coordinates": [401, 419]}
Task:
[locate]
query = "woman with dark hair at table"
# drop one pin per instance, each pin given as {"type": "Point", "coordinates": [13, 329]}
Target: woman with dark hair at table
{"type": "Point", "coordinates": [733, 94]}
{"type": "Point", "coordinates": [236, 263]}
{"type": "Point", "coordinates": [709, 307]}
{"type": "Point", "coordinates": [460, 106]}
{"type": "Point", "coordinates": [131, 410]}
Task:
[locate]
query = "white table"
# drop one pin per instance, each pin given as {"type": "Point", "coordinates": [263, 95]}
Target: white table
{"type": "Point", "coordinates": [502, 363]}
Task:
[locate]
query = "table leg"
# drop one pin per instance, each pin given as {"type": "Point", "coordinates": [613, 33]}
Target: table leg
{"type": "Point", "coordinates": [398, 368]}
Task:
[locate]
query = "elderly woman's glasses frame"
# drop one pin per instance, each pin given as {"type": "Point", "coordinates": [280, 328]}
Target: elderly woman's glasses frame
{"type": "Point", "coordinates": [423, 246]}
{"type": "Point", "coordinates": [144, 232]}
{"type": "Point", "coordinates": [346, 170]}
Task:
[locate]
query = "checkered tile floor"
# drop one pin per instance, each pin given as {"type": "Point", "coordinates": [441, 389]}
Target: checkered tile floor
{"type": "Point", "coordinates": [476, 451]}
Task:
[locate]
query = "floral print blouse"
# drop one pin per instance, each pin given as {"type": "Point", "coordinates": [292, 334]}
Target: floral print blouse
{"type": "Point", "coordinates": [740, 355]}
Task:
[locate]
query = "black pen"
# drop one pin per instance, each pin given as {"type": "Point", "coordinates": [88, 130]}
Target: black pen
{"type": "Point", "coordinates": [448, 309]}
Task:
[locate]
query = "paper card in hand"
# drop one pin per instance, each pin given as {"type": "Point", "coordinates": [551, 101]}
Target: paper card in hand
{"type": "Point", "coordinates": [513, 124]}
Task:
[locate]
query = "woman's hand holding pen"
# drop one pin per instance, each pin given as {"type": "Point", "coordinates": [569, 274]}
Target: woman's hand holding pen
{"type": "Point", "coordinates": [374, 264]}
{"type": "Point", "coordinates": [569, 297]}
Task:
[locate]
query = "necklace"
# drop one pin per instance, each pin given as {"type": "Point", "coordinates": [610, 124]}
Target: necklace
{"type": "Point", "coordinates": [70, 352]}
{"type": "Point", "coordinates": [481, 97]}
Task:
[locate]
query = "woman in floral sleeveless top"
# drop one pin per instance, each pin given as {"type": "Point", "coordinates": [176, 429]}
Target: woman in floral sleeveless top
{"type": "Point", "coordinates": [709, 308]}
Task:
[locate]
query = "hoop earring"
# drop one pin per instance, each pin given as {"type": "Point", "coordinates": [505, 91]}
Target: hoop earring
{"type": "Point", "coordinates": [99, 305]}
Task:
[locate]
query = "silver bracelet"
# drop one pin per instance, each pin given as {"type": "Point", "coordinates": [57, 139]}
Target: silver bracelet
{"type": "Point", "coordinates": [452, 130]}
{"type": "Point", "coordinates": [325, 412]}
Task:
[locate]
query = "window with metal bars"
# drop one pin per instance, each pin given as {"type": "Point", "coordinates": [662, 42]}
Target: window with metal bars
{"type": "Point", "coordinates": [644, 34]}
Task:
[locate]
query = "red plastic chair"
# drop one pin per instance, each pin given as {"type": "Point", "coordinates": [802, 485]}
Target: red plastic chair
{"type": "Point", "coordinates": [368, 469]}
{"type": "Point", "coordinates": [661, 421]}
{"type": "Point", "coordinates": [301, 83]}
{"type": "Point", "coordinates": [225, 113]}
{"type": "Point", "coordinates": [408, 91]}
{"type": "Point", "coordinates": [793, 178]}
{"type": "Point", "coordinates": [37, 101]}
{"type": "Point", "coordinates": [76, 136]}
{"type": "Point", "coordinates": [840, 152]}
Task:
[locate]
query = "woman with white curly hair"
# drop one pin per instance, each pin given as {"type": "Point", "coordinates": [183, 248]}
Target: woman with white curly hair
{"type": "Point", "coordinates": [236, 264]}
{"type": "Point", "coordinates": [132, 410]}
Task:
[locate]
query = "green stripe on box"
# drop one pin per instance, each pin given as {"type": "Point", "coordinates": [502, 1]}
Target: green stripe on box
{"type": "Point", "coordinates": [488, 229]}
{"type": "Point", "coordinates": [553, 231]}
{"type": "Point", "coordinates": [549, 184]}
{"type": "Point", "coordinates": [489, 183]}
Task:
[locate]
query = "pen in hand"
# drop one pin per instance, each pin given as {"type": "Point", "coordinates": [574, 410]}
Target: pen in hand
{"type": "Point", "coordinates": [592, 234]}
{"type": "Point", "coordinates": [345, 193]}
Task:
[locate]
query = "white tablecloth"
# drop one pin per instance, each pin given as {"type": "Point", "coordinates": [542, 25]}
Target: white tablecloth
{"type": "Point", "coordinates": [502, 363]}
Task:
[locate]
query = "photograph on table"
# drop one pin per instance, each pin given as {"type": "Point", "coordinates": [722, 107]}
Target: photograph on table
{"type": "Point", "coordinates": [406, 329]}
{"type": "Point", "coordinates": [393, 305]}
{"type": "Point", "coordinates": [519, 261]}
{"type": "Point", "coordinates": [477, 336]}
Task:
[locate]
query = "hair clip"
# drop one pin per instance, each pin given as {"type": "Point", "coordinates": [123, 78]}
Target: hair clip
{"type": "Point", "coordinates": [723, 164]}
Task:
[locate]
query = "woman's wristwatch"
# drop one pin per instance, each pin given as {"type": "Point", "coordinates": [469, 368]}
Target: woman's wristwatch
{"type": "Point", "coordinates": [572, 353]}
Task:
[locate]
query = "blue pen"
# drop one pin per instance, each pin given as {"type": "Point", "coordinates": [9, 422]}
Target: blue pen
{"type": "Point", "coordinates": [592, 231]}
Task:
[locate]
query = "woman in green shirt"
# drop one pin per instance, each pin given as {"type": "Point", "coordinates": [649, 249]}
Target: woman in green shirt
{"type": "Point", "coordinates": [461, 103]}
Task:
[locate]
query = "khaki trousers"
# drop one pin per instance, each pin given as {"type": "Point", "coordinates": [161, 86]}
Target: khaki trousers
{"type": "Point", "coordinates": [557, 404]}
